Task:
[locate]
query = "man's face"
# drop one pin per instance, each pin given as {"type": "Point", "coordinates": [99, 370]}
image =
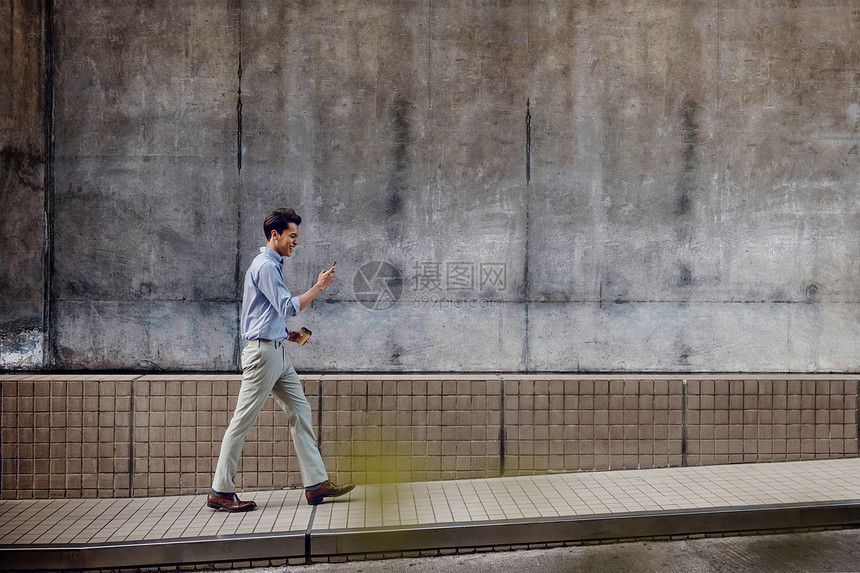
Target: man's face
{"type": "Point", "coordinates": [284, 243]}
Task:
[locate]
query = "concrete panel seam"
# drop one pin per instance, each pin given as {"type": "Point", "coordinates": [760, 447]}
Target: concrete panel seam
{"type": "Point", "coordinates": [320, 413]}
{"type": "Point", "coordinates": [684, 423]}
{"type": "Point", "coordinates": [502, 426]}
{"type": "Point", "coordinates": [48, 334]}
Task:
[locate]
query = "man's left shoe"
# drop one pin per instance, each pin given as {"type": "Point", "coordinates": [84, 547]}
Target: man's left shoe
{"type": "Point", "coordinates": [228, 502]}
{"type": "Point", "coordinates": [326, 489]}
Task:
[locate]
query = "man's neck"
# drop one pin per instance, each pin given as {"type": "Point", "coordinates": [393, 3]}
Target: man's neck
{"type": "Point", "coordinates": [269, 245]}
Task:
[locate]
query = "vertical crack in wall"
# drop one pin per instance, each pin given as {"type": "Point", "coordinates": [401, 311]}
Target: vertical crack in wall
{"type": "Point", "coordinates": [239, 107]}
{"type": "Point", "coordinates": [237, 270]}
{"type": "Point", "coordinates": [48, 253]}
{"type": "Point", "coordinates": [528, 142]}
{"type": "Point", "coordinates": [429, 54]}
{"type": "Point", "coordinates": [237, 7]}
{"type": "Point", "coordinates": [526, 357]}
{"type": "Point", "coordinates": [687, 190]}
{"type": "Point", "coordinates": [719, 45]}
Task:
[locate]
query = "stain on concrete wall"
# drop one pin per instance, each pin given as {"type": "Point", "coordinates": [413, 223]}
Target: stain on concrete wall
{"type": "Point", "coordinates": [146, 185]}
{"type": "Point", "coordinates": [562, 186]}
{"type": "Point", "coordinates": [22, 184]}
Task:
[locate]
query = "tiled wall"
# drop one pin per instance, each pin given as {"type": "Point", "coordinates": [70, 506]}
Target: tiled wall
{"type": "Point", "coordinates": [178, 425]}
{"type": "Point", "coordinates": [115, 436]}
{"type": "Point", "coordinates": [395, 428]}
{"type": "Point", "coordinates": [563, 424]}
{"type": "Point", "coordinates": [767, 420]}
{"type": "Point", "coordinates": [65, 436]}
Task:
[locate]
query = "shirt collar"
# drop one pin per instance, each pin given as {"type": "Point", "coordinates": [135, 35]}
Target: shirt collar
{"type": "Point", "coordinates": [272, 255]}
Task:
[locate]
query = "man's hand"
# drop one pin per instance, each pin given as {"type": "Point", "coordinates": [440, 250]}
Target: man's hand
{"type": "Point", "coordinates": [325, 278]}
{"type": "Point", "coordinates": [294, 336]}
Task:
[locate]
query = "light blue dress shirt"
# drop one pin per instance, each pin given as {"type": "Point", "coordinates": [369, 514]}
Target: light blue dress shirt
{"type": "Point", "coordinates": [266, 302]}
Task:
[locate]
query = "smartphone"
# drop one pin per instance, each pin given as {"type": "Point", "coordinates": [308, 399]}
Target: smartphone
{"type": "Point", "coordinates": [305, 334]}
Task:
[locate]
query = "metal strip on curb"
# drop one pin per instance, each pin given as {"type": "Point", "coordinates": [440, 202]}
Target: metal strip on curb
{"type": "Point", "coordinates": [153, 553]}
{"type": "Point", "coordinates": [584, 528]}
{"type": "Point", "coordinates": [308, 532]}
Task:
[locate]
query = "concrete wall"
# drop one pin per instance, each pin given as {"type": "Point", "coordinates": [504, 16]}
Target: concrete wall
{"type": "Point", "coordinates": [559, 186]}
{"type": "Point", "coordinates": [22, 184]}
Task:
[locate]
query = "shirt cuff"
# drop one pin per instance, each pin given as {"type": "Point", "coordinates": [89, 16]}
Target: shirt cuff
{"type": "Point", "coordinates": [297, 305]}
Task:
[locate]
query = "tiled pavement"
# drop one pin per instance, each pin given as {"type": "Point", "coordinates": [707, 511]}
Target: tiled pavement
{"type": "Point", "coordinates": [571, 507]}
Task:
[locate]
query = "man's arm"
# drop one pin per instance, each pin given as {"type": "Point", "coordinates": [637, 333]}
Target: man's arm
{"type": "Point", "coordinates": [270, 282]}
{"type": "Point", "coordinates": [324, 279]}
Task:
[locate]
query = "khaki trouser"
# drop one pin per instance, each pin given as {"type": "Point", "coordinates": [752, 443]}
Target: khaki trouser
{"type": "Point", "coordinates": [266, 369]}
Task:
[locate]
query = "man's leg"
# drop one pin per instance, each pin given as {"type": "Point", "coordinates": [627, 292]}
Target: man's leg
{"type": "Point", "coordinates": [290, 395]}
{"type": "Point", "coordinates": [261, 365]}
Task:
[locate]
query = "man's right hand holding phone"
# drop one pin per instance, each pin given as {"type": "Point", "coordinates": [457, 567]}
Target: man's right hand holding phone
{"type": "Point", "coordinates": [325, 278]}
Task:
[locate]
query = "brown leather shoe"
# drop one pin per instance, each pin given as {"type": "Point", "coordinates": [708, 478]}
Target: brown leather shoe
{"type": "Point", "coordinates": [229, 502]}
{"type": "Point", "coordinates": [326, 489]}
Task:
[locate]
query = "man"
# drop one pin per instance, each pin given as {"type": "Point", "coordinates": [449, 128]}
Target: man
{"type": "Point", "coordinates": [266, 368]}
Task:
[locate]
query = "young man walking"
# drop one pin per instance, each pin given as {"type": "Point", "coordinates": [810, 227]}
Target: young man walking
{"type": "Point", "coordinates": [266, 368]}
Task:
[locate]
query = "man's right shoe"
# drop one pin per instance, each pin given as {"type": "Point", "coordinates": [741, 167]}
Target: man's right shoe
{"type": "Point", "coordinates": [228, 502]}
{"type": "Point", "coordinates": [326, 489]}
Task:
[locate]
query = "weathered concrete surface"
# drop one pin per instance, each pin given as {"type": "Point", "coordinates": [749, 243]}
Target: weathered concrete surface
{"type": "Point", "coordinates": [682, 194]}
{"type": "Point", "coordinates": [399, 130]}
{"type": "Point", "coordinates": [22, 183]}
{"type": "Point", "coordinates": [562, 186]}
{"type": "Point", "coordinates": [146, 191]}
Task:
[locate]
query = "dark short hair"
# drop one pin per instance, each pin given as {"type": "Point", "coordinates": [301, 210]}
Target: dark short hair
{"type": "Point", "coordinates": [279, 220]}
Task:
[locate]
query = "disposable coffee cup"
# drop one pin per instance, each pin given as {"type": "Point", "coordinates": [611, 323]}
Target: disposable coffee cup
{"type": "Point", "coordinates": [304, 336]}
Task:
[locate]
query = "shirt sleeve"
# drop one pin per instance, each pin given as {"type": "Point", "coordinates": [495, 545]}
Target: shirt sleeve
{"type": "Point", "coordinates": [270, 281]}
